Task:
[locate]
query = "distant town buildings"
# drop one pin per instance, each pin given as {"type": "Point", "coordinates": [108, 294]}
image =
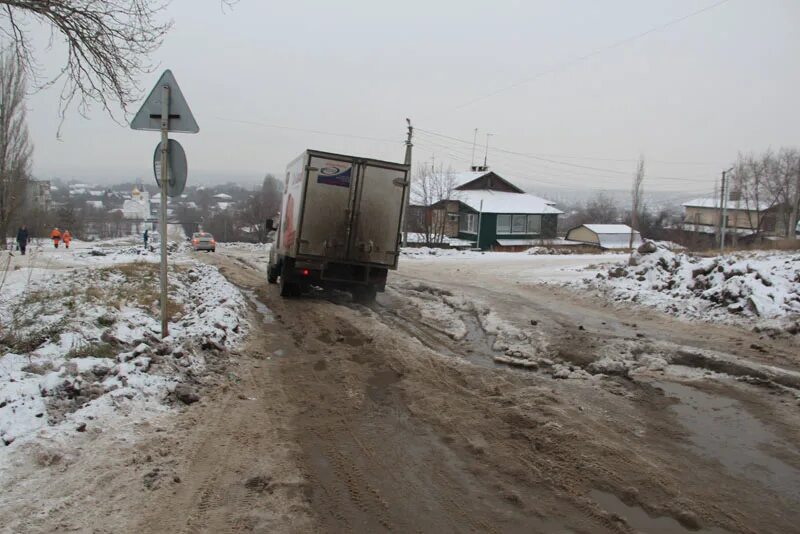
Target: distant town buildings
{"type": "Point", "coordinates": [138, 206]}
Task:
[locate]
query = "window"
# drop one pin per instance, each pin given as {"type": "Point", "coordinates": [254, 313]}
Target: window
{"type": "Point", "coordinates": [504, 224]}
{"type": "Point", "coordinates": [452, 217]}
{"type": "Point", "coordinates": [468, 223]}
{"type": "Point", "coordinates": [518, 224]}
{"type": "Point", "coordinates": [534, 224]}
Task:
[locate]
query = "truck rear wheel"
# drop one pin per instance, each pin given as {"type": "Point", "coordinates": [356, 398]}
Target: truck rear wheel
{"type": "Point", "coordinates": [288, 287]}
{"type": "Point", "coordinates": [272, 274]}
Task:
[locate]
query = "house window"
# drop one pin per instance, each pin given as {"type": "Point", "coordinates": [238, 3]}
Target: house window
{"type": "Point", "coordinates": [518, 224]}
{"type": "Point", "coordinates": [468, 223]}
{"type": "Point", "coordinates": [534, 224]}
{"type": "Point", "coordinates": [504, 224]}
{"type": "Point", "coordinates": [452, 217]}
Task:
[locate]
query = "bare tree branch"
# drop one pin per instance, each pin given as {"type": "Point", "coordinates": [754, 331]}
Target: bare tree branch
{"type": "Point", "coordinates": [109, 43]}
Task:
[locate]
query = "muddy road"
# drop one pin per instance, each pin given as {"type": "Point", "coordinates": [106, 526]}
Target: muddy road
{"type": "Point", "coordinates": [425, 413]}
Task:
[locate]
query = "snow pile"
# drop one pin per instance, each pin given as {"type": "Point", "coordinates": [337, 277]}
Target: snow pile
{"type": "Point", "coordinates": [82, 345]}
{"type": "Point", "coordinates": [250, 247]}
{"type": "Point", "coordinates": [436, 308]}
{"type": "Point", "coordinates": [460, 317]}
{"type": "Point", "coordinates": [542, 250]}
{"type": "Point", "coordinates": [753, 285]}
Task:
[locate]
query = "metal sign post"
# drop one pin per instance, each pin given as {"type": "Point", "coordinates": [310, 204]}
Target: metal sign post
{"type": "Point", "coordinates": [166, 110]}
{"type": "Point", "coordinates": [163, 207]}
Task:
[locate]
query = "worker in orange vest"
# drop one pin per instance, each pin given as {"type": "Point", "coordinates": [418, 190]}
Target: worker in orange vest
{"type": "Point", "coordinates": [55, 235]}
{"type": "Point", "coordinates": [66, 237]}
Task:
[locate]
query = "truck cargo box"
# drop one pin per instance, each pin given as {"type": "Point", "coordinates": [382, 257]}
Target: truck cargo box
{"type": "Point", "coordinates": [340, 220]}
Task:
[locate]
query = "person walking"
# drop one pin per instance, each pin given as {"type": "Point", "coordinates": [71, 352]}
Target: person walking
{"type": "Point", "coordinates": [66, 237]}
{"type": "Point", "coordinates": [55, 235]}
{"type": "Point", "coordinates": [146, 236]}
{"type": "Point", "coordinates": [22, 238]}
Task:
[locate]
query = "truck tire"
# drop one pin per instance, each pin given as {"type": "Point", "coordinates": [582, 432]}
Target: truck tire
{"type": "Point", "coordinates": [272, 274]}
{"type": "Point", "coordinates": [288, 288]}
{"type": "Point", "coordinates": [364, 294]}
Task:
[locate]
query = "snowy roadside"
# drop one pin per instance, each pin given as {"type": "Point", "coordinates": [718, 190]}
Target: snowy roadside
{"type": "Point", "coordinates": [79, 339]}
{"type": "Point", "coordinates": [757, 289]}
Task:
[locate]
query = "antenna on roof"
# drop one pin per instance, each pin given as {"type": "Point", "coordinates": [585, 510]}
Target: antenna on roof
{"type": "Point", "coordinates": [486, 154]}
{"type": "Point", "coordinates": [474, 140]}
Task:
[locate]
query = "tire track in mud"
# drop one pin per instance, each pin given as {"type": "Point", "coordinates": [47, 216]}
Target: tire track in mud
{"type": "Point", "coordinates": [239, 472]}
{"type": "Point", "coordinates": [451, 447]}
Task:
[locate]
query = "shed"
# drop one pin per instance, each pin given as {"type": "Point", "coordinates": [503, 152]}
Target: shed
{"type": "Point", "coordinates": [605, 236]}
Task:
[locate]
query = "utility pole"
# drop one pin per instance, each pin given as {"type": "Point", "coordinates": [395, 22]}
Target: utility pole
{"type": "Point", "coordinates": [724, 210]}
{"type": "Point", "coordinates": [721, 200]}
{"type": "Point", "coordinates": [407, 163]}
{"type": "Point", "coordinates": [478, 236]}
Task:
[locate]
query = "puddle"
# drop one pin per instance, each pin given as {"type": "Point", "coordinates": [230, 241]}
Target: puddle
{"type": "Point", "coordinates": [479, 342]}
{"type": "Point", "coordinates": [721, 428]}
{"type": "Point", "coordinates": [261, 308]}
{"type": "Point", "coordinates": [640, 520]}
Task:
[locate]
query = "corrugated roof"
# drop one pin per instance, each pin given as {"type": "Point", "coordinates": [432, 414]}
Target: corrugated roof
{"type": "Point", "coordinates": [502, 202]}
{"type": "Point", "coordinates": [609, 228]}
{"type": "Point", "coordinates": [613, 241]}
{"type": "Point", "coordinates": [731, 204]}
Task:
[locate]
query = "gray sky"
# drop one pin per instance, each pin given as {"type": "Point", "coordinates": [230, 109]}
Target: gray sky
{"type": "Point", "coordinates": [696, 92]}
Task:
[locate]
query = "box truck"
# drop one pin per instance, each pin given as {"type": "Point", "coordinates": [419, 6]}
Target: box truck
{"type": "Point", "coordinates": [340, 224]}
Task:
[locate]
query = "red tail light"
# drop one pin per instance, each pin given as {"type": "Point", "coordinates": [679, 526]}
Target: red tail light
{"type": "Point", "coordinates": [195, 241]}
{"type": "Point", "coordinates": [306, 272]}
{"type": "Point", "coordinates": [213, 242]}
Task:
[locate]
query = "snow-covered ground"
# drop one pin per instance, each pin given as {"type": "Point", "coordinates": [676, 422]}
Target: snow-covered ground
{"type": "Point", "coordinates": [759, 288]}
{"type": "Point", "coordinates": [80, 342]}
{"type": "Point", "coordinates": [511, 266]}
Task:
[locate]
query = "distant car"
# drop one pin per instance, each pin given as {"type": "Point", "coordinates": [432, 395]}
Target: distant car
{"type": "Point", "coordinates": [204, 241]}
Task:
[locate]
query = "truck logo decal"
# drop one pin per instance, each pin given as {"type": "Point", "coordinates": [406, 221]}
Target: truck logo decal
{"type": "Point", "coordinates": [335, 176]}
{"type": "Point", "coordinates": [289, 232]}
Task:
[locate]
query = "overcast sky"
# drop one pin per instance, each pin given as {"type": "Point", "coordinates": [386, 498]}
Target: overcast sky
{"type": "Point", "coordinates": [688, 97]}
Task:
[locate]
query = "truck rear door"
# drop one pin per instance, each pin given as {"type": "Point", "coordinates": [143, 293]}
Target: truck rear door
{"type": "Point", "coordinates": [326, 214]}
{"type": "Point", "coordinates": [379, 207]}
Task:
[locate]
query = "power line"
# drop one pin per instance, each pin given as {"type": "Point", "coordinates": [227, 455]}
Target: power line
{"type": "Point", "coordinates": [305, 130]}
{"type": "Point", "coordinates": [595, 52]}
{"type": "Point", "coordinates": [534, 176]}
{"type": "Point", "coordinates": [568, 164]}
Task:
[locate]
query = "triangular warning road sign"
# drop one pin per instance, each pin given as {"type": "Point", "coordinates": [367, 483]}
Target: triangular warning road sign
{"type": "Point", "coordinates": [180, 116]}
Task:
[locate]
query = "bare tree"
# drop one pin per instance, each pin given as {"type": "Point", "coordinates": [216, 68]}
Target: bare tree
{"type": "Point", "coordinates": [109, 43]}
{"type": "Point", "coordinates": [636, 198]}
{"type": "Point", "coordinates": [432, 188]}
{"type": "Point", "coordinates": [15, 146]}
{"type": "Point", "coordinates": [786, 184]}
{"type": "Point", "coordinates": [262, 205]}
{"type": "Point", "coordinates": [766, 188]}
{"type": "Point", "coordinates": [601, 209]}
